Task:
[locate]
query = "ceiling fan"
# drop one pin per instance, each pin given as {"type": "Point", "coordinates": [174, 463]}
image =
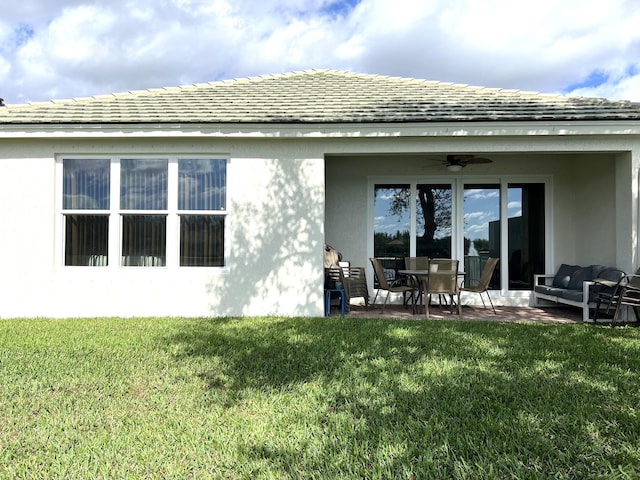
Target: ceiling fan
{"type": "Point", "coordinates": [456, 163]}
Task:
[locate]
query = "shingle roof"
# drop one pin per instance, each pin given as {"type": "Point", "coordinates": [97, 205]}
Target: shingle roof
{"type": "Point", "coordinates": [318, 96]}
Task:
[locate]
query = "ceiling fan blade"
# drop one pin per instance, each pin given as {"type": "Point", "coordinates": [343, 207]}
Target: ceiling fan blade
{"type": "Point", "coordinates": [479, 160]}
{"type": "Point", "coordinates": [466, 159]}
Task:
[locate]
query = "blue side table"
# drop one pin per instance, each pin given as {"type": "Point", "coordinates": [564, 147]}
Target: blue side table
{"type": "Point", "coordinates": [327, 299]}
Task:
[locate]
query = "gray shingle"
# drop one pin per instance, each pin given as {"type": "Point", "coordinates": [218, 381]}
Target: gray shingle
{"type": "Point", "coordinates": [319, 96]}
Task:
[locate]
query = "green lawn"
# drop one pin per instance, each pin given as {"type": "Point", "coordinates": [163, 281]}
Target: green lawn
{"type": "Point", "coordinates": [319, 398]}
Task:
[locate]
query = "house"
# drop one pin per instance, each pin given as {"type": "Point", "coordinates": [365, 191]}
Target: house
{"type": "Point", "coordinates": [217, 199]}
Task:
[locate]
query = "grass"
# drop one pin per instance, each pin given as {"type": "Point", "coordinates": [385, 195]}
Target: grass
{"type": "Point", "coordinates": [163, 398]}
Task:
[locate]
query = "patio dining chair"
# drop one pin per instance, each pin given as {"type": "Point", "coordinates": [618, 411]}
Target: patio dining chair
{"type": "Point", "coordinates": [442, 281]}
{"type": "Point", "coordinates": [354, 282]}
{"type": "Point", "coordinates": [615, 296]}
{"type": "Point", "coordinates": [391, 286]}
{"type": "Point", "coordinates": [416, 263]}
{"type": "Point", "coordinates": [483, 283]}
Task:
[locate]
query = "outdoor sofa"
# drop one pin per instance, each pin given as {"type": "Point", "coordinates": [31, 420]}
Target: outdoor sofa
{"type": "Point", "coordinates": [574, 285]}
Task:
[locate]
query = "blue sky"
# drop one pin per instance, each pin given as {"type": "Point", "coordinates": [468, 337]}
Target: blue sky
{"type": "Point", "coordinates": [51, 49]}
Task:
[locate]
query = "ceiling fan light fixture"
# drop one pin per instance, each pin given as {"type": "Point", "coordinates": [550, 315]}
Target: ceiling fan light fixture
{"type": "Point", "coordinates": [454, 167]}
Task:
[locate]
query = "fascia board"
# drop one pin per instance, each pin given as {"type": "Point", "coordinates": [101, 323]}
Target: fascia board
{"type": "Point", "coordinates": [350, 130]}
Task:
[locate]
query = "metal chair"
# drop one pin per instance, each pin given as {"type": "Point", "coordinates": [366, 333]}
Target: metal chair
{"type": "Point", "coordinates": [483, 283]}
{"type": "Point", "coordinates": [354, 282]}
{"type": "Point", "coordinates": [442, 280]}
{"type": "Point", "coordinates": [624, 293]}
{"type": "Point", "coordinates": [416, 263]}
{"type": "Point", "coordinates": [395, 286]}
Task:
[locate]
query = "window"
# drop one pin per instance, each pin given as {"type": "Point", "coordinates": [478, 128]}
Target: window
{"type": "Point", "coordinates": [120, 209]}
{"type": "Point", "coordinates": [85, 204]}
{"type": "Point", "coordinates": [201, 206]}
{"type": "Point", "coordinates": [470, 220]}
{"type": "Point", "coordinates": [143, 203]}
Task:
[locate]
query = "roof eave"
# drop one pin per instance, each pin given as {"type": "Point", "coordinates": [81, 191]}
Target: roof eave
{"type": "Point", "coordinates": [319, 129]}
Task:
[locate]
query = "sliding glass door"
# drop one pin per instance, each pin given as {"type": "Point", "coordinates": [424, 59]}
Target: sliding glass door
{"type": "Point", "coordinates": [391, 226]}
{"type": "Point", "coordinates": [433, 220]}
{"type": "Point", "coordinates": [470, 221]}
{"type": "Point", "coordinates": [526, 233]}
{"type": "Point", "coordinates": [481, 230]}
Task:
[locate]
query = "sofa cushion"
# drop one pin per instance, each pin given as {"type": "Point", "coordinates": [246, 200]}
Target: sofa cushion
{"type": "Point", "coordinates": [575, 295]}
{"type": "Point", "coordinates": [596, 270]}
{"type": "Point", "coordinates": [548, 290]}
{"type": "Point", "coordinates": [610, 273]}
{"type": "Point", "coordinates": [562, 278]}
{"type": "Point", "coordinates": [579, 276]}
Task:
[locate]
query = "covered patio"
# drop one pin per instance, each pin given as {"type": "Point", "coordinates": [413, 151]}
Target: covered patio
{"type": "Point", "coordinates": [532, 211]}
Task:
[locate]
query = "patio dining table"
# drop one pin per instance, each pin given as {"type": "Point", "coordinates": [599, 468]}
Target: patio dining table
{"type": "Point", "coordinates": [420, 276]}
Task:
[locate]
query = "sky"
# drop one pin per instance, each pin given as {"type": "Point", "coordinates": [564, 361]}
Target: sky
{"type": "Point", "coordinates": [57, 49]}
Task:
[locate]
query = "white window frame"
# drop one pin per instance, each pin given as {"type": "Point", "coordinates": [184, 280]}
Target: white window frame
{"type": "Point", "coordinates": [116, 214]}
{"type": "Point", "coordinates": [457, 220]}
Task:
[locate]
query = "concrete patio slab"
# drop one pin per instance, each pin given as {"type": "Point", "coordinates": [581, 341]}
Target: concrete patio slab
{"type": "Point", "coordinates": [554, 314]}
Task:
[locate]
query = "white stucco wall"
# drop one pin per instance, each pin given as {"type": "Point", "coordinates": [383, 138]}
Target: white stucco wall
{"type": "Point", "coordinates": [275, 233]}
{"type": "Point", "coordinates": [279, 211]}
{"type": "Point", "coordinates": [591, 205]}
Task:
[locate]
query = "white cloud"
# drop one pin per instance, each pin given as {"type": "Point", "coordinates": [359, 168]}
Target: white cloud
{"type": "Point", "coordinates": [515, 209]}
{"type": "Point", "coordinates": [626, 86]}
{"type": "Point", "coordinates": [478, 230]}
{"type": "Point", "coordinates": [481, 193]}
{"type": "Point", "coordinates": [475, 216]}
{"type": "Point", "coordinates": [68, 48]}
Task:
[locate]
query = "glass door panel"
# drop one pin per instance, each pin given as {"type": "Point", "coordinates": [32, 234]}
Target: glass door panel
{"type": "Point", "coordinates": [391, 226]}
{"type": "Point", "coordinates": [481, 229]}
{"type": "Point", "coordinates": [431, 208]}
{"type": "Point", "coordinates": [526, 233]}
{"type": "Point", "coordinates": [433, 220]}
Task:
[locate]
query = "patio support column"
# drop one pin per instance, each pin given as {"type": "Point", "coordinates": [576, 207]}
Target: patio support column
{"type": "Point", "coordinates": [627, 207]}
